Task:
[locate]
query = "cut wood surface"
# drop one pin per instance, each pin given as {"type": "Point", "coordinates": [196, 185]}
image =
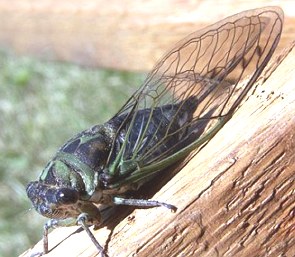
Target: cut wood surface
{"type": "Point", "coordinates": [235, 197]}
{"type": "Point", "coordinates": [128, 35]}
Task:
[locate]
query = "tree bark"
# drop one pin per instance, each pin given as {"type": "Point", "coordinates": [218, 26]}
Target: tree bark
{"type": "Point", "coordinates": [125, 35]}
{"type": "Point", "coordinates": [234, 198]}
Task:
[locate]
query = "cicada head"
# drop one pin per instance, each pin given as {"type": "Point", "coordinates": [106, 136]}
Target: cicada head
{"type": "Point", "coordinates": [52, 201]}
{"type": "Point", "coordinates": [61, 203]}
{"type": "Point", "coordinates": [60, 193]}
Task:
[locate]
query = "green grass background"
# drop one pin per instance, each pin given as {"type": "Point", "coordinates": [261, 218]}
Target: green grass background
{"type": "Point", "coordinates": [42, 104]}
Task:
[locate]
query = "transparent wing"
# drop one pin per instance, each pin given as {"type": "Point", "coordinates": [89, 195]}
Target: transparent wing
{"type": "Point", "coordinates": [193, 88]}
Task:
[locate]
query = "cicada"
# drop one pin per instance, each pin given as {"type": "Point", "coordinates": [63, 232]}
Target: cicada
{"type": "Point", "coordinates": [186, 98]}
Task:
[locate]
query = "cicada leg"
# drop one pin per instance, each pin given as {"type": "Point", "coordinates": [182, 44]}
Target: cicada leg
{"type": "Point", "coordinates": [83, 220]}
{"type": "Point", "coordinates": [142, 203]}
{"type": "Point", "coordinates": [54, 223]}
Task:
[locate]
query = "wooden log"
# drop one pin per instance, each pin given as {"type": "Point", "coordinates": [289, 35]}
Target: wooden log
{"type": "Point", "coordinates": [126, 35]}
{"type": "Point", "coordinates": [235, 197]}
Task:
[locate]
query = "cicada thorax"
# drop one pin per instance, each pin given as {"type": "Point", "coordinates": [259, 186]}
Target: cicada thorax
{"type": "Point", "coordinates": [70, 179]}
{"type": "Point", "coordinates": [84, 155]}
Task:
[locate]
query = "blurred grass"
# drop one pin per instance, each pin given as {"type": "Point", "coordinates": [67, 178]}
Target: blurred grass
{"type": "Point", "coordinates": [42, 104]}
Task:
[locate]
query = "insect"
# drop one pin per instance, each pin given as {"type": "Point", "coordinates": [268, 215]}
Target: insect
{"type": "Point", "coordinates": [187, 97]}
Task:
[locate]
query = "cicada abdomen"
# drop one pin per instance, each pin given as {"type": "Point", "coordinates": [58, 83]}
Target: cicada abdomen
{"type": "Point", "coordinates": [188, 96]}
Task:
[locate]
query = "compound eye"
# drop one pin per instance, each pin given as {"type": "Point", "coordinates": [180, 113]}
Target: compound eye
{"type": "Point", "coordinates": [67, 196]}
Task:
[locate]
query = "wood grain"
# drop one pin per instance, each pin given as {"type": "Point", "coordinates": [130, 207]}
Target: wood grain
{"type": "Point", "coordinates": [125, 35]}
{"type": "Point", "coordinates": [235, 197]}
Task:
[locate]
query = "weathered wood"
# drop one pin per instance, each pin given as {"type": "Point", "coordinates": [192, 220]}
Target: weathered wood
{"type": "Point", "coordinates": [128, 35]}
{"type": "Point", "coordinates": [235, 197]}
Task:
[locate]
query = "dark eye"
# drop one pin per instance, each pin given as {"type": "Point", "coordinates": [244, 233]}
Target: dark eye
{"type": "Point", "coordinates": [67, 196]}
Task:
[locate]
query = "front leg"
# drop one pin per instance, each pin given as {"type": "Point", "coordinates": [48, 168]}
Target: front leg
{"type": "Point", "coordinates": [55, 223]}
{"type": "Point", "coordinates": [85, 219]}
{"type": "Point", "coordinates": [82, 221]}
